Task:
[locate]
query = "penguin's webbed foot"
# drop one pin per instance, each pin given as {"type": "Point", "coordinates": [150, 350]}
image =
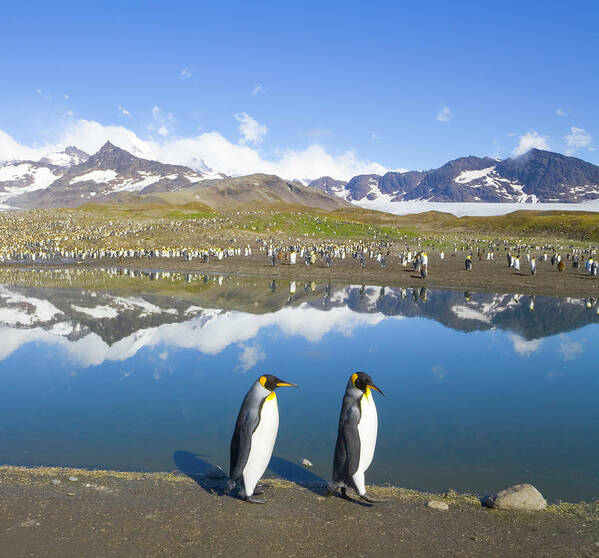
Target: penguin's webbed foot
{"type": "Point", "coordinates": [259, 490]}
{"type": "Point", "coordinates": [368, 499]}
{"type": "Point", "coordinates": [253, 500]}
{"type": "Point", "coordinates": [231, 484]}
{"type": "Point", "coordinates": [331, 489]}
{"type": "Point", "coordinates": [345, 495]}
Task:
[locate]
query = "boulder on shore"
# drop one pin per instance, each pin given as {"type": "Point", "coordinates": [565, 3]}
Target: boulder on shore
{"type": "Point", "coordinates": [437, 505]}
{"type": "Point", "coordinates": [523, 497]}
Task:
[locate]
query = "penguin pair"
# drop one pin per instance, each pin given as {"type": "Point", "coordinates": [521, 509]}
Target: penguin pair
{"type": "Point", "coordinates": [258, 423]}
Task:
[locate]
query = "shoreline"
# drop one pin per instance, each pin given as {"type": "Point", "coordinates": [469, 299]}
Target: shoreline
{"type": "Point", "coordinates": [486, 276]}
{"type": "Point", "coordinates": [76, 512]}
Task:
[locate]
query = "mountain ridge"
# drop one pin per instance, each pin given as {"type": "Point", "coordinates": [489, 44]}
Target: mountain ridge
{"type": "Point", "coordinates": [72, 177]}
{"type": "Point", "coordinates": [536, 176]}
{"type": "Point", "coordinates": [113, 174]}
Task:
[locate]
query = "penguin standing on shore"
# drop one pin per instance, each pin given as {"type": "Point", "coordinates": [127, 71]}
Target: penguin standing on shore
{"type": "Point", "coordinates": [468, 263]}
{"type": "Point", "coordinates": [254, 436]}
{"type": "Point", "coordinates": [356, 438]}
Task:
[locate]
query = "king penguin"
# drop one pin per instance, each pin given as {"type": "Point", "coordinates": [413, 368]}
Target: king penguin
{"type": "Point", "coordinates": [254, 436]}
{"type": "Point", "coordinates": [356, 438]}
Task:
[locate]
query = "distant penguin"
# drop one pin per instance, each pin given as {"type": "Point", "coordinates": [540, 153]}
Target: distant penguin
{"type": "Point", "coordinates": [561, 266]}
{"type": "Point", "coordinates": [356, 438]}
{"type": "Point", "coordinates": [517, 263]}
{"type": "Point", "coordinates": [254, 436]}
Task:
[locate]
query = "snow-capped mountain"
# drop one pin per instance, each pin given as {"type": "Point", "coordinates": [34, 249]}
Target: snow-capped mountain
{"type": "Point", "coordinates": [21, 177]}
{"type": "Point", "coordinates": [537, 176]}
{"type": "Point", "coordinates": [67, 158]}
{"type": "Point", "coordinates": [71, 177]}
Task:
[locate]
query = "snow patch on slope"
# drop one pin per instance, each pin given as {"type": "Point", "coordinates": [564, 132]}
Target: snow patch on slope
{"type": "Point", "coordinates": [39, 178]}
{"type": "Point", "coordinates": [98, 176]}
{"type": "Point", "coordinates": [98, 312]}
{"type": "Point", "coordinates": [468, 176]}
{"type": "Point", "coordinates": [25, 311]}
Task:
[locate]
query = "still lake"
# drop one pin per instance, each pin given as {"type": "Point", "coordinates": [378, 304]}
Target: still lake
{"type": "Point", "coordinates": [132, 371]}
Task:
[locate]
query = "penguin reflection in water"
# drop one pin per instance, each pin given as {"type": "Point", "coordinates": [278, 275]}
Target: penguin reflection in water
{"type": "Point", "coordinates": [356, 439]}
{"type": "Point", "coordinates": [254, 436]}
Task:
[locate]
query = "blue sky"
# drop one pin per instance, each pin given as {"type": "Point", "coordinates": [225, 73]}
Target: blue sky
{"type": "Point", "coordinates": [301, 87]}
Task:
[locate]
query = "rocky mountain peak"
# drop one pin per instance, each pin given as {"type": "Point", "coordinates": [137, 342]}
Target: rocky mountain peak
{"type": "Point", "coordinates": [111, 156]}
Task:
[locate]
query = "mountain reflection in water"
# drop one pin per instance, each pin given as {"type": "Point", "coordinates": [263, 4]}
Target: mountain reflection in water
{"type": "Point", "coordinates": [121, 369]}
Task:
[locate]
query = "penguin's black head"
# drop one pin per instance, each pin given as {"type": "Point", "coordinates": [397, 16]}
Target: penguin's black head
{"type": "Point", "coordinates": [363, 381]}
{"type": "Point", "coordinates": [271, 382]}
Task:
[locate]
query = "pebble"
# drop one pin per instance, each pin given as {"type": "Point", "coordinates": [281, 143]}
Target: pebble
{"type": "Point", "coordinates": [73, 479]}
{"type": "Point", "coordinates": [306, 462]}
{"type": "Point", "coordinates": [523, 497]}
{"type": "Point", "coordinates": [437, 505]}
{"type": "Point", "coordinates": [55, 481]}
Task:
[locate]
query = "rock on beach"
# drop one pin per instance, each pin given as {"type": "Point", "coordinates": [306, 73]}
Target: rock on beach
{"type": "Point", "coordinates": [523, 497]}
{"type": "Point", "coordinates": [437, 505]}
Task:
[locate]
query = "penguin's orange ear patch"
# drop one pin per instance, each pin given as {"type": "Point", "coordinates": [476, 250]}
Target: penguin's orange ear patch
{"type": "Point", "coordinates": [354, 378]}
{"type": "Point", "coordinates": [262, 380]}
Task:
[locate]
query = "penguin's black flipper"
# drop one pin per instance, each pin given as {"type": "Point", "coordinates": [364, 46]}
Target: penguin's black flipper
{"type": "Point", "coordinates": [350, 441]}
{"type": "Point", "coordinates": [241, 443]}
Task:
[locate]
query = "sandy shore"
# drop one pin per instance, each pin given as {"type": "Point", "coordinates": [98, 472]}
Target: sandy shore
{"type": "Point", "coordinates": [69, 512]}
{"type": "Point", "coordinates": [492, 276]}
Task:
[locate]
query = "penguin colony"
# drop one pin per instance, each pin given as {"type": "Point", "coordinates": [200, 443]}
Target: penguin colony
{"type": "Point", "coordinates": [258, 423]}
{"type": "Point", "coordinates": [78, 236]}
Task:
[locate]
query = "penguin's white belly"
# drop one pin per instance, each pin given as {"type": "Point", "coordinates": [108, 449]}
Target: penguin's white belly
{"type": "Point", "coordinates": [263, 442]}
{"type": "Point", "coordinates": [367, 431]}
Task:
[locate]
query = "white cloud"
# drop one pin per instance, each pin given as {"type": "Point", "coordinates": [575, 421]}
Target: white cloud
{"type": "Point", "coordinates": [251, 354]}
{"type": "Point", "coordinates": [210, 333]}
{"type": "Point", "coordinates": [577, 139]}
{"type": "Point", "coordinates": [532, 139]}
{"type": "Point", "coordinates": [524, 347]}
{"type": "Point", "coordinates": [66, 96]}
{"type": "Point", "coordinates": [185, 73]}
{"type": "Point", "coordinates": [123, 110]}
{"type": "Point", "coordinates": [561, 112]}
{"type": "Point", "coordinates": [210, 147]}
{"type": "Point", "coordinates": [250, 129]}
{"type": "Point", "coordinates": [69, 113]}
{"type": "Point", "coordinates": [162, 122]}
{"type": "Point", "coordinates": [258, 89]}
{"type": "Point", "coordinates": [569, 349]}
{"type": "Point", "coordinates": [438, 371]}
{"type": "Point", "coordinates": [39, 91]}
{"type": "Point", "coordinates": [444, 114]}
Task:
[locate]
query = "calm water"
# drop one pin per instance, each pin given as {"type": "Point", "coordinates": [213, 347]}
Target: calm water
{"type": "Point", "coordinates": [482, 391]}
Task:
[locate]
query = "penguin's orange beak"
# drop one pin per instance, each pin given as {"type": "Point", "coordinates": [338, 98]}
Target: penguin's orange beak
{"type": "Point", "coordinates": [372, 386]}
{"type": "Point", "coordinates": [286, 384]}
